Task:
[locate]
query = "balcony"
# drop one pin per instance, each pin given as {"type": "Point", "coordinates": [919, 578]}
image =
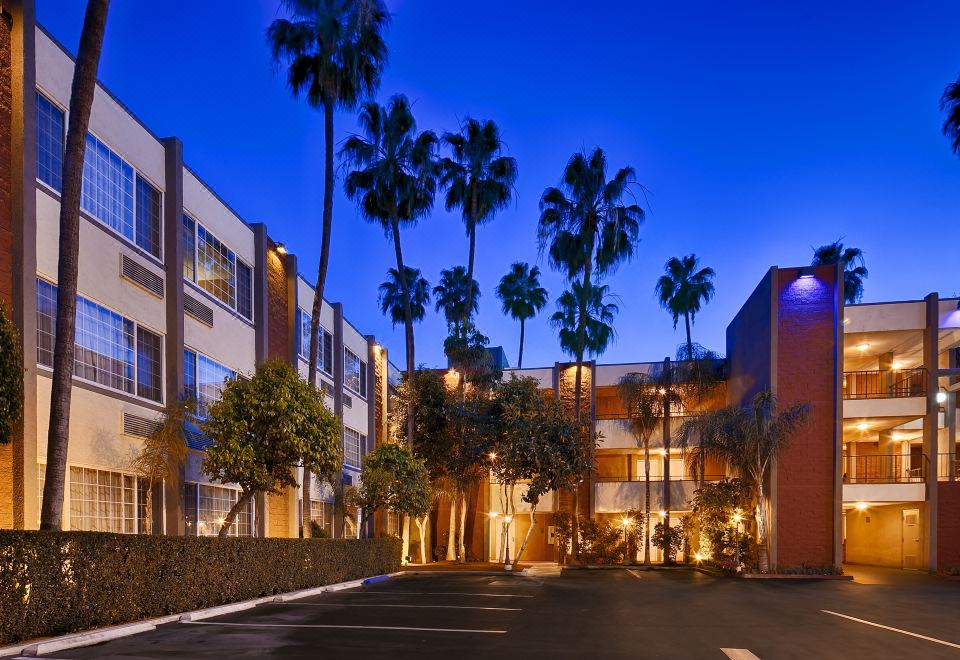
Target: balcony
{"type": "Point", "coordinates": [884, 478]}
{"type": "Point", "coordinates": [617, 495]}
{"type": "Point", "coordinates": [948, 467]}
{"type": "Point", "coordinates": [885, 384]}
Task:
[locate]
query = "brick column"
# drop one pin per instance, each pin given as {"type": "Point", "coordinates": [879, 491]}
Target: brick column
{"type": "Point", "coordinates": [930, 423]}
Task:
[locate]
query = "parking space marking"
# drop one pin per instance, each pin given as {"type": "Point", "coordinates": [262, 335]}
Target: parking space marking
{"type": "Point", "coordinates": [341, 627]}
{"type": "Point", "coordinates": [634, 573]}
{"type": "Point", "coordinates": [438, 607]}
{"type": "Point", "coordinates": [428, 593]}
{"type": "Point", "coordinates": [739, 654]}
{"type": "Point", "coordinates": [898, 630]}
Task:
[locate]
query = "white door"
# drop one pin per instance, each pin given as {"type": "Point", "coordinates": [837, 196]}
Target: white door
{"type": "Point", "coordinates": [910, 539]}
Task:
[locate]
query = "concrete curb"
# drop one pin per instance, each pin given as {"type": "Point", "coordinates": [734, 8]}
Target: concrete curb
{"type": "Point", "coordinates": [99, 635]}
{"type": "Point", "coordinates": [792, 576]}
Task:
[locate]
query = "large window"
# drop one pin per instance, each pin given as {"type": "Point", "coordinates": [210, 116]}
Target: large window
{"type": "Point", "coordinates": [102, 501]}
{"type": "Point", "coordinates": [216, 269]}
{"type": "Point", "coordinates": [110, 350]}
{"type": "Point", "coordinates": [204, 378]}
{"type": "Point", "coordinates": [206, 506]}
{"type": "Point", "coordinates": [325, 358]}
{"type": "Point", "coordinates": [354, 372]}
{"type": "Point", "coordinates": [353, 444]}
{"type": "Point", "coordinates": [321, 512]}
{"type": "Point", "coordinates": [50, 138]}
{"type": "Point", "coordinates": [112, 191]}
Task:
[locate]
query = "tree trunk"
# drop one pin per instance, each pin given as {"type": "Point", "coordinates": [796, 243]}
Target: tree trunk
{"type": "Point", "coordinates": [472, 233]}
{"type": "Point", "coordinates": [451, 531]}
{"type": "Point", "coordinates": [764, 559]}
{"type": "Point", "coordinates": [646, 503]}
{"type": "Point", "coordinates": [526, 539]}
{"type": "Point", "coordinates": [148, 511]}
{"type": "Point", "coordinates": [81, 100]}
{"type": "Point", "coordinates": [668, 550]}
{"type": "Point", "coordinates": [462, 544]}
{"type": "Point", "coordinates": [407, 325]}
{"type": "Point", "coordinates": [578, 380]}
{"type": "Point", "coordinates": [423, 542]}
{"type": "Point", "coordinates": [241, 502]}
{"type": "Point", "coordinates": [520, 356]}
{"type": "Point", "coordinates": [686, 322]}
{"type": "Point", "coordinates": [405, 538]}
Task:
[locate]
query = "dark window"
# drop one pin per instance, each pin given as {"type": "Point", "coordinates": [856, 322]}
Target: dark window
{"type": "Point", "coordinates": [244, 290]}
{"type": "Point", "coordinates": [189, 239]}
{"type": "Point", "coordinates": [327, 352]}
{"type": "Point", "coordinates": [49, 142]}
{"type": "Point", "coordinates": [190, 374]}
{"type": "Point", "coordinates": [148, 217]}
{"type": "Point", "coordinates": [149, 368]}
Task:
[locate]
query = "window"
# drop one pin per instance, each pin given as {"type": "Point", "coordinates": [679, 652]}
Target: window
{"type": "Point", "coordinates": [353, 444]}
{"type": "Point", "coordinates": [107, 192]}
{"type": "Point", "coordinates": [49, 142]}
{"type": "Point", "coordinates": [325, 359]}
{"type": "Point", "coordinates": [204, 378]}
{"type": "Point", "coordinates": [216, 269]}
{"type": "Point", "coordinates": [102, 501]}
{"type": "Point", "coordinates": [148, 217]}
{"type": "Point", "coordinates": [107, 345]}
{"type": "Point", "coordinates": [322, 513]}
{"type": "Point", "coordinates": [206, 506]}
{"type": "Point", "coordinates": [354, 372]}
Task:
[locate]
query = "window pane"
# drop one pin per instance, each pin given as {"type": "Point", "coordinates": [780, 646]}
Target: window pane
{"type": "Point", "coordinates": [49, 142]}
{"type": "Point", "coordinates": [244, 290]}
{"type": "Point", "coordinates": [351, 447]}
{"type": "Point", "coordinates": [327, 353]}
{"type": "Point", "coordinates": [102, 501]}
{"type": "Point", "coordinates": [148, 217]}
{"type": "Point", "coordinates": [353, 372]}
{"type": "Point", "coordinates": [107, 192]}
{"type": "Point", "coordinates": [46, 321]}
{"type": "Point", "coordinates": [215, 268]}
{"type": "Point", "coordinates": [303, 336]}
{"type": "Point", "coordinates": [149, 371]}
{"type": "Point", "coordinates": [211, 376]}
{"type": "Point", "coordinates": [214, 504]}
{"type": "Point", "coordinates": [190, 374]}
{"type": "Point", "coordinates": [189, 239]}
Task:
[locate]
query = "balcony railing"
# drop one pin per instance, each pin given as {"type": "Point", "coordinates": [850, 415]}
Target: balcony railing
{"type": "Point", "coordinates": [884, 469]}
{"type": "Point", "coordinates": [655, 478]}
{"type": "Point", "coordinates": [948, 467]}
{"type": "Point", "coordinates": [886, 384]}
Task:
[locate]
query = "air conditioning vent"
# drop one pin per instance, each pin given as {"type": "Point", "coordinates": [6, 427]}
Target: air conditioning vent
{"type": "Point", "coordinates": [347, 401]}
{"type": "Point", "coordinates": [141, 275]}
{"type": "Point", "coordinates": [198, 310]}
{"type": "Point", "coordinates": [139, 427]}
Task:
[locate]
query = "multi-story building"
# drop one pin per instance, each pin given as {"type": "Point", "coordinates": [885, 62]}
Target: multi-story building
{"type": "Point", "coordinates": [872, 478]}
{"type": "Point", "coordinates": [177, 293]}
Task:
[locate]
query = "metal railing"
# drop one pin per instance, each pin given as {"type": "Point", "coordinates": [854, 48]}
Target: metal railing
{"type": "Point", "coordinates": [885, 384]}
{"type": "Point", "coordinates": [948, 467]}
{"type": "Point", "coordinates": [884, 469]}
{"type": "Point", "coordinates": [654, 478]}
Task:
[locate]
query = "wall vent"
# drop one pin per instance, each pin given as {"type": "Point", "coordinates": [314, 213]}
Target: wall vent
{"type": "Point", "coordinates": [198, 310]}
{"type": "Point", "coordinates": [139, 427]}
{"type": "Point", "coordinates": [141, 275]}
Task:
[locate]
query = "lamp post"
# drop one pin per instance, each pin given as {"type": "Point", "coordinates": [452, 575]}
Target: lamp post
{"type": "Point", "coordinates": [506, 557]}
{"type": "Point", "coordinates": [625, 523]}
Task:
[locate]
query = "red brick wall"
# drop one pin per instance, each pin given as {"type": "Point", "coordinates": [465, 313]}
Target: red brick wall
{"type": "Point", "coordinates": [6, 243]}
{"type": "Point", "coordinates": [806, 355]}
{"type": "Point", "coordinates": [948, 525]}
{"type": "Point", "coordinates": [277, 339]}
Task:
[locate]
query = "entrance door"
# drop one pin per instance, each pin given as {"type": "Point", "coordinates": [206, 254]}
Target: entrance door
{"type": "Point", "coordinates": [910, 539]}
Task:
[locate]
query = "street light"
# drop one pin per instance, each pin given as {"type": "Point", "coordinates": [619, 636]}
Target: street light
{"type": "Point", "coordinates": [506, 556]}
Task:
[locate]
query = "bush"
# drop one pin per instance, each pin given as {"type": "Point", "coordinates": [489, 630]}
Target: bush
{"type": "Point", "coordinates": [807, 569]}
{"type": "Point", "coordinates": [52, 583]}
{"type": "Point", "coordinates": [601, 542]}
{"type": "Point", "coordinates": [669, 540]}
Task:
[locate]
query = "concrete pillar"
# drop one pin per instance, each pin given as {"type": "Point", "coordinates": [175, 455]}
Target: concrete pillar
{"type": "Point", "coordinates": [930, 422]}
{"type": "Point", "coordinates": [337, 331]}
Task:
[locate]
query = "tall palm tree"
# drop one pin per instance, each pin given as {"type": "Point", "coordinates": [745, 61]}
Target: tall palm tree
{"type": "Point", "coordinates": [749, 440]}
{"type": "Point", "coordinates": [682, 290]}
{"type": "Point", "coordinates": [588, 230]}
{"type": "Point", "coordinates": [854, 267]}
{"type": "Point", "coordinates": [597, 323]}
{"type": "Point", "coordinates": [479, 181]}
{"type": "Point", "coordinates": [394, 184]}
{"type": "Point", "coordinates": [522, 296]}
{"type": "Point", "coordinates": [335, 54]}
{"type": "Point", "coordinates": [81, 101]}
{"type": "Point", "coordinates": [391, 296]}
{"type": "Point", "coordinates": [950, 103]}
{"type": "Point", "coordinates": [452, 295]}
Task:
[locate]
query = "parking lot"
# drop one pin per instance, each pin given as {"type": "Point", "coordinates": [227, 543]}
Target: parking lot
{"type": "Point", "coordinates": [658, 614]}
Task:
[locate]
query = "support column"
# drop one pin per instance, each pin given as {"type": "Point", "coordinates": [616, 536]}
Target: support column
{"type": "Point", "coordinates": [930, 423]}
{"type": "Point", "coordinates": [338, 511]}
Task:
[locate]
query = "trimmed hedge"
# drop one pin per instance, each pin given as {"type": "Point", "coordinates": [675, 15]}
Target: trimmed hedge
{"type": "Point", "coordinates": [52, 583]}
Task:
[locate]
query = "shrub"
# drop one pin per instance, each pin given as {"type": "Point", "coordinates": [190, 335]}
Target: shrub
{"type": "Point", "coordinates": [11, 378]}
{"type": "Point", "coordinates": [601, 542]}
{"type": "Point", "coordinates": [669, 540]}
{"type": "Point", "coordinates": [807, 569]}
{"type": "Point", "coordinates": [53, 583]}
{"type": "Point", "coordinates": [317, 531]}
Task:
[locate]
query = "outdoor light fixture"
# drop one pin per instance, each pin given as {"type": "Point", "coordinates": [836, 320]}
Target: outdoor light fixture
{"type": "Point", "coordinates": [663, 452]}
{"type": "Point", "coordinates": [862, 426]}
{"type": "Point", "coordinates": [508, 519]}
{"type": "Point", "coordinates": [493, 514]}
{"type": "Point", "coordinates": [626, 522]}
{"type": "Point", "coordinates": [698, 556]}
{"type": "Point", "coordinates": [941, 397]}
{"type": "Point", "coordinates": [281, 248]}
{"type": "Point", "coordinates": [737, 518]}
{"type": "Point", "coordinates": [862, 347]}
{"type": "Point", "coordinates": [493, 456]}
{"type": "Point", "coordinates": [661, 391]}
{"type": "Point", "coordinates": [662, 513]}
{"type": "Point", "coordinates": [896, 366]}
{"type": "Point", "coordinates": [804, 273]}
{"type": "Point", "coordinates": [861, 506]}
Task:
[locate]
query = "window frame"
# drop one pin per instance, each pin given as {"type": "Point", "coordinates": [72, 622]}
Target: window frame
{"type": "Point", "coordinates": [361, 442]}
{"type": "Point", "coordinates": [137, 504]}
{"type": "Point", "coordinates": [137, 325]}
{"type": "Point", "coordinates": [303, 349]}
{"type": "Point", "coordinates": [361, 374]}
{"type": "Point", "coordinates": [197, 355]}
{"type": "Point", "coordinates": [234, 307]}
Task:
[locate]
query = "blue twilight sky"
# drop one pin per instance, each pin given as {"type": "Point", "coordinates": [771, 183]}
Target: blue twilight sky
{"type": "Point", "coordinates": [761, 129]}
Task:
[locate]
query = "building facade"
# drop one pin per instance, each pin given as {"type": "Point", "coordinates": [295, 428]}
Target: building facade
{"type": "Point", "coordinates": [176, 295]}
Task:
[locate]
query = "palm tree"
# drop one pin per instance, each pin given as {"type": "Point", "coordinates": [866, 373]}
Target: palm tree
{"type": "Point", "coordinates": [479, 181]}
{"type": "Point", "coordinates": [682, 289]}
{"type": "Point", "coordinates": [164, 452]}
{"type": "Point", "coordinates": [394, 184]}
{"type": "Point", "coordinates": [81, 101]}
{"type": "Point", "coordinates": [452, 295]}
{"type": "Point", "coordinates": [950, 103]}
{"type": "Point", "coordinates": [335, 55]}
{"type": "Point", "coordinates": [522, 296]}
{"type": "Point", "coordinates": [391, 296]}
{"type": "Point", "coordinates": [854, 267]}
{"type": "Point", "coordinates": [748, 440]}
{"type": "Point", "coordinates": [597, 324]}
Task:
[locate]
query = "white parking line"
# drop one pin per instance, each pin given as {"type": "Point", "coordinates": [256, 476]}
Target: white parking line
{"type": "Point", "coordinates": [739, 654]}
{"type": "Point", "coordinates": [341, 627]}
{"type": "Point", "coordinates": [902, 632]}
{"type": "Point", "coordinates": [428, 593]}
{"type": "Point", "coordinates": [634, 573]}
{"type": "Point", "coordinates": [438, 607]}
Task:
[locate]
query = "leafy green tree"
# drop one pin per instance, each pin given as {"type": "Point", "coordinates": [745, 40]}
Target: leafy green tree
{"type": "Point", "coordinates": [391, 295]}
{"type": "Point", "coordinates": [11, 378]}
{"type": "Point", "coordinates": [748, 440]}
{"type": "Point", "coordinates": [950, 103]}
{"type": "Point", "coordinates": [597, 324]}
{"type": "Point", "coordinates": [522, 297]}
{"type": "Point", "coordinates": [479, 181]}
{"type": "Point", "coordinates": [682, 289]}
{"type": "Point", "coordinates": [717, 506]}
{"type": "Point", "coordinates": [394, 184]}
{"type": "Point", "coordinates": [68, 264]}
{"type": "Point", "coordinates": [263, 428]}
{"type": "Point", "coordinates": [164, 451]}
{"type": "Point", "coordinates": [854, 267]}
{"type": "Point", "coordinates": [450, 297]}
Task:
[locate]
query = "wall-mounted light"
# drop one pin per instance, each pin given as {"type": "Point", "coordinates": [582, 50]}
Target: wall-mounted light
{"type": "Point", "coordinates": [662, 513]}
{"type": "Point", "coordinates": [862, 426]}
{"type": "Point", "coordinates": [804, 273]}
{"type": "Point", "coordinates": [896, 366]}
{"type": "Point", "coordinates": [493, 514]}
{"type": "Point", "coordinates": [861, 506]}
{"type": "Point", "coordinates": [863, 346]}
{"type": "Point", "coordinates": [941, 397]}
{"type": "Point", "coordinates": [281, 248]}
